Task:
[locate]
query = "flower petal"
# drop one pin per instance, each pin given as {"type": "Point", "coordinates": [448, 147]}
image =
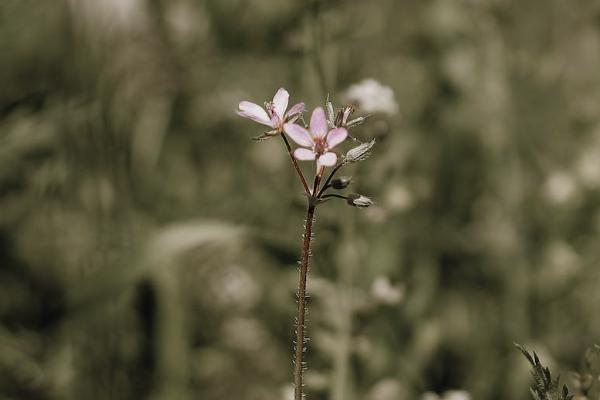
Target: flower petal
{"type": "Point", "coordinates": [336, 136]}
{"type": "Point", "coordinates": [254, 112]}
{"type": "Point", "coordinates": [327, 160]}
{"type": "Point", "coordinates": [318, 123]}
{"type": "Point", "coordinates": [280, 102]}
{"type": "Point", "coordinates": [296, 109]}
{"type": "Point", "coordinates": [304, 154]}
{"type": "Point", "coordinates": [298, 134]}
{"type": "Point", "coordinates": [275, 120]}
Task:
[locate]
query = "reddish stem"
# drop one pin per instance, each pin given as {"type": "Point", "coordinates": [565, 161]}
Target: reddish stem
{"type": "Point", "coordinates": [296, 166]}
{"type": "Point", "coordinates": [301, 294]}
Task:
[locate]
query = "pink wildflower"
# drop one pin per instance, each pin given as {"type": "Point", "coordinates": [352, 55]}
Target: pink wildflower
{"type": "Point", "coordinates": [274, 114]}
{"type": "Point", "coordinates": [318, 142]}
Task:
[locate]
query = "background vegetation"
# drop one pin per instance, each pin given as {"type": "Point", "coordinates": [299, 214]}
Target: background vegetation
{"type": "Point", "coordinates": [148, 247]}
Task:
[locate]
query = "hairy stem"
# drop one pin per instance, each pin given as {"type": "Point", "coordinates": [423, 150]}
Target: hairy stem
{"type": "Point", "coordinates": [296, 166]}
{"type": "Point", "coordinates": [301, 294]}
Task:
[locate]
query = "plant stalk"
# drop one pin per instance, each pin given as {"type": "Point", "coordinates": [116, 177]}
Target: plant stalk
{"type": "Point", "coordinates": [301, 294]}
{"type": "Point", "coordinates": [295, 164]}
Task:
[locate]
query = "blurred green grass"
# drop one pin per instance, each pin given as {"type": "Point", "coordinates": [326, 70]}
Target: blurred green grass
{"type": "Point", "coordinates": [148, 247]}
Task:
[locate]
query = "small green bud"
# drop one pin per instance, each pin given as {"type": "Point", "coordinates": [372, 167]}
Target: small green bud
{"type": "Point", "coordinates": [358, 200]}
{"type": "Point", "coordinates": [341, 183]}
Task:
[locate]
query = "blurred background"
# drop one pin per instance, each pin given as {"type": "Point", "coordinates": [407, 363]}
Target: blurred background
{"type": "Point", "coordinates": [148, 247]}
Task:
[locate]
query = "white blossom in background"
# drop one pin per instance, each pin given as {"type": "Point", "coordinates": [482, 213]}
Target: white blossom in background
{"type": "Point", "coordinates": [399, 198]}
{"type": "Point", "coordinates": [287, 392]}
{"type": "Point", "coordinates": [560, 187]}
{"type": "Point", "coordinates": [561, 264]}
{"type": "Point", "coordinates": [384, 292]}
{"type": "Point", "coordinates": [449, 395]}
{"type": "Point", "coordinates": [457, 395]}
{"type": "Point", "coordinates": [234, 287]}
{"type": "Point", "coordinates": [127, 15]}
{"type": "Point", "coordinates": [386, 389]}
{"type": "Point", "coordinates": [588, 168]}
{"type": "Point", "coordinates": [372, 97]}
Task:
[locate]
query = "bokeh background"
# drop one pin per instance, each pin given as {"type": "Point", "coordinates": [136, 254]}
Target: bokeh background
{"type": "Point", "coordinates": [148, 247]}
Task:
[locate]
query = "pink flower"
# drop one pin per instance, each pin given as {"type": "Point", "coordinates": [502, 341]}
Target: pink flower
{"type": "Point", "coordinates": [275, 115]}
{"type": "Point", "coordinates": [318, 142]}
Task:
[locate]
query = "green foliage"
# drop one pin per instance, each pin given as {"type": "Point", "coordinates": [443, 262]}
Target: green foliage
{"type": "Point", "coordinates": [544, 387]}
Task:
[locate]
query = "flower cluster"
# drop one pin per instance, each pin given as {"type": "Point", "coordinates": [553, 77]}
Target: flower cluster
{"type": "Point", "coordinates": [316, 141]}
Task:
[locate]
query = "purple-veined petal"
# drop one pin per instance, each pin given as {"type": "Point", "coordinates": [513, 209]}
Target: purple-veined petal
{"type": "Point", "coordinates": [336, 136]}
{"type": "Point", "coordinates": [280, 102]}
{"type": "Point", "coordinates": [327, 160]}
{"type": "Point", "coordinates": [318, 123]}
{"type": "Point", "coordinates": [254, 112]}
{"type": "Point", "coordinates": [298, 134]}
{"type": "Point", "coordinates": [296, 109]}
{"type": "Point", "coordinates": [304, 154]}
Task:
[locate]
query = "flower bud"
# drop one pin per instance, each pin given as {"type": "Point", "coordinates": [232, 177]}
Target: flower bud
{"type": "Point", "coordinates": [341, 183]}
{"type": "Point", "coordinates": [356, 122]}
{"type": "Point", "coordinates": [360, 152]}
{"type": "Point", "coordinates": [358, 200]}
{"type": "Point", "coordinates": [342, 116]}
{"type": "Point", "coordinates": [330, 113]}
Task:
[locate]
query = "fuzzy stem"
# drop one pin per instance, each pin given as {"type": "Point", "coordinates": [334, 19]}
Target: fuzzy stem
{"type": "Point", "coordinates": [301, 294]}
{"type": "Point", "coordinates": [296, 166]}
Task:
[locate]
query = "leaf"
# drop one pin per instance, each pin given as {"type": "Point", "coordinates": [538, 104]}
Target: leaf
{"type": "Point", "coordinates": [544, 387]}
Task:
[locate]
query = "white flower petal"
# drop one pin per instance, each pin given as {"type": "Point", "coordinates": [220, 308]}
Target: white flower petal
{"type": "Point", "coordinates": [336, 136]}
{"type": "Point", "coordinates": [318, 123]}
{"type": "Point", "coordinates": [327, 160]}
{"type": "Point", "coordinates": [280, 102]}
{"type": "Point", "coordinates": [298, 134]}
{"type": "Point", "coordinates": [254, 112]}
{"type": "Point", "coordinates": [304, 154]}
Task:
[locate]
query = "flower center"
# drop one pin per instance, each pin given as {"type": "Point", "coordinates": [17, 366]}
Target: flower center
{"type": "Point", "coordinates": [270, 109]}
{"type": "Point", "coordinates": [275, 120]}
{"type": "Point", "coordinates": [320, 145]}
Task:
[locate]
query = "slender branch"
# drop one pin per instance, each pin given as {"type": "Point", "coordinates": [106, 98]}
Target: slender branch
{"type": "Point", "coordinates": [330, 195]}
{"type": "Point", "coordinates": [296, 166]}
{"type": "Point", "coordinates": [318, 177]}
{"type": "Point", "coordinates": [328, 180]}
{"type": "Point", "coordinates": [301, 294]}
